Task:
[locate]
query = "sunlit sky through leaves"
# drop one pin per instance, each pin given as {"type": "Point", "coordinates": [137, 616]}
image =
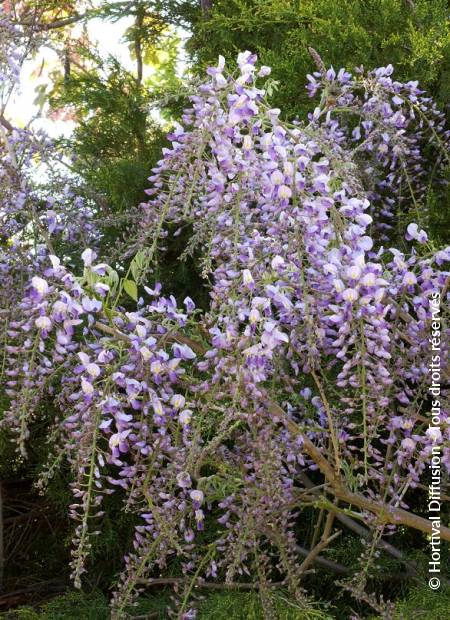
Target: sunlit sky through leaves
{"type": "Point", "coordinates": [35, 73]}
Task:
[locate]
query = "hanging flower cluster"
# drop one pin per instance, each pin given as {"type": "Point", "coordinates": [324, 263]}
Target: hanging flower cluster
{"type": "Point", "coordinates": [307, 365]}
{"type": "Point", "coordinates": [286, 222]}
{"type": "Point", "coordinates": [10, 52]}
{"type": "Point", "coordinates": [398, 136]}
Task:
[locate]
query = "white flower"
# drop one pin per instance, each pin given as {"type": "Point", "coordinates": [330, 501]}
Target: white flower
{"type": "Point", "coordinates": [254, 316]}
{"type": "Point", "coordinates": [379, 295]}
{"type": "Point", "coordinates": [221, 82]}
{"type": "Point", "coordinates": [174, 363]}
{"type": "Point", "coordinates": [354, 272]}
{"type": "Point", "coordinates": [157, 407]}
{"type": "Point", "coordinates": [88, 256]}
{"type": "Point", "coordinates": [360, 261]}
{"type": "Point", "coordinates": [117, 438]}
{"type": "Point", "coordinates": [59, 307]}
{"type": "Point", "coordinates": [434, 434]}
{"type": "Point", "coordinates": [364, 219]}
{"type": "Point", "coordinates": [288, 168]}
{"type": "Point", "coordinates": [338, 285]}
{"type": "Point", "coordinates": [247, 277]}
{"type": "Point", "coordinates": [199, 516]}
{"type": "Point", "coordinates": [243, 58]}
{"type": "Point", "coordinates": [365, 243]}
{"type": "Point", "coordinates": [185, 417]}
{"type": "Point", "coordinates": [253, 350]}
{"type": "Point", "coordinates": [43, 322]}
{"type": "Point", "coordinates": [39, 285]}
{"type": "Point", "coordinates": [177, 401]}
{"type": "Point", "coordinates": [413, 232]}
{"type": "Point", "coordinates": [141, 331]}
{"type": "Point", "coordinates": [197, 496]}
{"type": "Point", "coordinates": [277, 261]}
{"type": "Point", "coordinates": [247, 143]}
{"type": "Point", "coordinates": [369, 279]}
{"type": "Point", "coordinates": [87, 387]}
{"type": "Point", "coordinates": [408, 444]}
{"type": "Point", "coordinates": [145, 352]}
{"type": "Point", "coordinates": [183, 351]}
{"type": "Point", "coordinates": [409, 278]}
{"type": "Point", "coordinates": [156, 367]}
{"type": "Point", "coordinates": [243, 79]}
{"type": "Point", "coordinates": [93, 370]}
{"type": "Point", "coordinates": [54, 261]}
{"type": "Point", "coordinates": [101, 289]}
{"type": "Point", "coordinates": [350, 294]}
{"type": "Point", "coordinates": [284, 192]}
{"type": "Point", "coordinates": [330, 268]}
{"type": "Point", "coordinates": [277, 177]}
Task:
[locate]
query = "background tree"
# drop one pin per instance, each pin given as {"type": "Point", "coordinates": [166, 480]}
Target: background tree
{"type": "Point", "coordinates": [412, 35]}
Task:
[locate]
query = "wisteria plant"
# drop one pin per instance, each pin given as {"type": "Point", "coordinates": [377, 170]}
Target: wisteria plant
{"type": "Point", "coordinates": [301, 393]}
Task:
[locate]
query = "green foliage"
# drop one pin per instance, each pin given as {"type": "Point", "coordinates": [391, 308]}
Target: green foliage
{"type": "Point", "coordinates": [413, 35]}
{"type": "Point", "coordinates": [438, 210]}
{"type": "Point", "coordinates": [182, 275]}
{"type": "Point", "coordinates": [420, 603]}
{"type": "Point", "coordinates": [247, 606]}
{"type": "Point", "coordinates": [227, 605]}
{"type": "Point", "coordinates": [115, 142]}
{"type": "Point", "coordinates": [70, 606]}
{"type": "Point", "coordinates": [118, 139]}
{"type": "Point", "coordinates": [110, 109]}
{"type": "Point", "coordinates": [424, 603]}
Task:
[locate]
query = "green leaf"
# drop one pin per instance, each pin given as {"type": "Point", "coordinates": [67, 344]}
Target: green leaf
{"type": "Point", "coordinates": [108, 313]}
{"type": "Point", "coordinates": [112, 279]}
{"type": "Point", "coordinates": [131, 289]}
{"type": "Point", "coordinates": [139, 265]}
{"type": "Point", "coordinates": [90, 278]}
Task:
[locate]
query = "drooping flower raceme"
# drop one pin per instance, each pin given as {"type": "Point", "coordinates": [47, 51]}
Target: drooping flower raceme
{"type": "Point", "coordinates": [307, 365]}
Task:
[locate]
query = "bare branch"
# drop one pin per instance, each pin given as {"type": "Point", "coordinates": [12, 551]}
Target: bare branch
{"type": "Point", "coordinates": [171, 581]}
{"type": "Point", "coordinates": [6, 124]}
{"type": "Point", "coordinates": [60, 23]}
{"type": "Point", "coordinates": [315, 551]}
{"type": "Point", "coordinates": [359, 529]}
{"type": "Point", "coordinates": [384, 512]}
{"type": "Point", "coordinates": [169, 336]}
